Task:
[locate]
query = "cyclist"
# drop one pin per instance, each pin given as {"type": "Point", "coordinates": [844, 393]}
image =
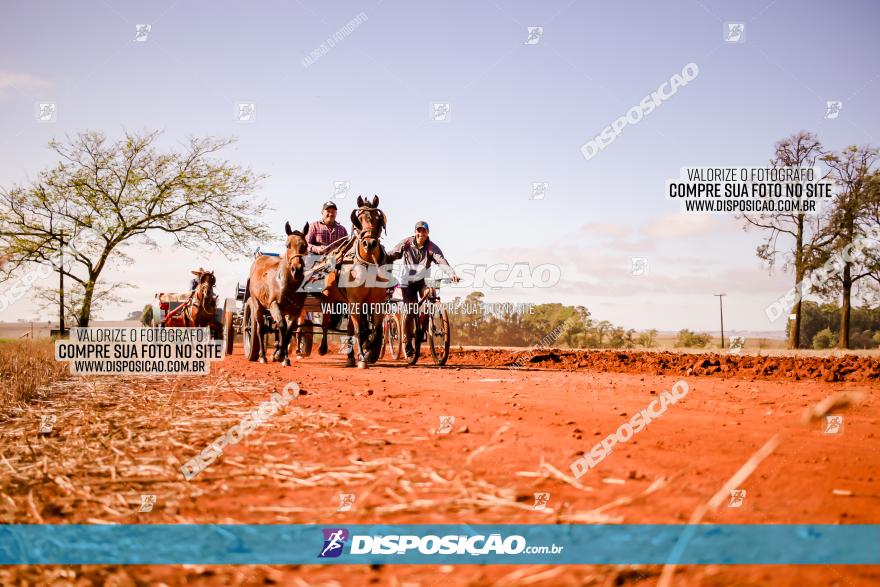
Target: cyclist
{"type": "Point", "coordinates": [418, 253]}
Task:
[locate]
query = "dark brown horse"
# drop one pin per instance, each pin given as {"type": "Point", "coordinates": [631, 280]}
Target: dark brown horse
{"type": "Point", "coordinates": [200, 310]}
{"type": "Point", "coordinates": [360, 282]}
{"type": "Point", "coordinates": [273, 287]}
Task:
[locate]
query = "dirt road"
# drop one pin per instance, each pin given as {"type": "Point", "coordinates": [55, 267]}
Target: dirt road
{"type": "Point", "coordinates": [374, 434]}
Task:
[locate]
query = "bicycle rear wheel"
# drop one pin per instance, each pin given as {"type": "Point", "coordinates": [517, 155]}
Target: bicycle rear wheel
{"type": "Point", "coordinates": [394, 335]}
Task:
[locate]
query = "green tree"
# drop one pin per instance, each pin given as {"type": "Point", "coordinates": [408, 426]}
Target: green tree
{"type": "Point", "coordinates": [851, 219]}
{"type": "Point", "coordinates": [805, 231]}
{"type": "Point", "coordinates": [647, 339]}
{"type": "Point", "coordinates": [825, 339]}
{"type": "Point", "coordinates": [688, 339]}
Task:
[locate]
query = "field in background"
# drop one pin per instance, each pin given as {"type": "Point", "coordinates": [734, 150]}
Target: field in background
{"type": "Point", "coordinates": [25, 366]}
{"type": "Point", "coordinates": [38, 330]}
{"type": "Point", "coordinates": [667, 341]}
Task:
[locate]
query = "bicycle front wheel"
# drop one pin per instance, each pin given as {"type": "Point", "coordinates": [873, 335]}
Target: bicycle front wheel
{"type": "Point", "coordinates": [438, 336]}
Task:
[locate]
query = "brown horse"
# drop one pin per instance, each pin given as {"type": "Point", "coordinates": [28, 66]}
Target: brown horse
{"type": "Point", "coordinates": [273, 286]}
{"type": "Point", "coordinates": [360, 283]}
{"type": "Point", "coordinates": [200, 310]}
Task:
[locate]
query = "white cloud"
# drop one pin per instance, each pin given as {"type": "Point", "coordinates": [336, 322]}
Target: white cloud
{"type": "Point", "coordinates": [606, 229]}
{"type": "Point", "coordinates": [680, 225]}
{"type": "Point", "coordinates": [20, 81]}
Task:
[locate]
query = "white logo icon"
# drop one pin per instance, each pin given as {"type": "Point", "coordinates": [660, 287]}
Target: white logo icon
{"type": "Point", "coordinates": [141, 32]}
{"type": "Point", "coordinates": [541, 501]}
{"type": "Point", "coordinates": [639, 265]}
{"type": "Point", "coordinates": [46, 423]}
{"type": "Point", "coordinates": [833, 424]}
{"type": "Point", "coordinates": [440, 112]}
{"type": "Point", "coordinates": [46, 112]}
{"type": "Point", "coordinates": [245, 112]}
{"type": "Point", "coordinates": [736, 344]}
{"type": "Point", "coordinates": [737, 497]}
{"type": "Point", "coordinates": [535, 35]}
{"type": "Point", "coordinates": [346, 502]}
{"type": "Point", "coordinates": [446, 424]}
{"type": "Point", "coordinates": [347, 345]}
{"type": "Point", "coordinates": [734, 32]}
{"type": "Point", "coordinates": [539, 190]}
{"type": "Point", "coordinates": [147, 503]}
{"type": "Point", "coordinates": [832, 109]}
{"type": "Point", "coordinates": [340, 189]}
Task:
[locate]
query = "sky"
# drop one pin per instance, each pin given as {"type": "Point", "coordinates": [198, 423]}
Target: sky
{"type": "Point", "coordinates": [518, 114]}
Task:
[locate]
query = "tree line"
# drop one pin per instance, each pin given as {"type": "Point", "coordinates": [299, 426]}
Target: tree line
{"type": "Point", "coordinates": [803, 244]}
{"type": "Point", "coordinates": [574, 327]}
{"type": "Point", "coordinates": [820, 326]}
{"type": "Point", "coordinates": [525, 329]}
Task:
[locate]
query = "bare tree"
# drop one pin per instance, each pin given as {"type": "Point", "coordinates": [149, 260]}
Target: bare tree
{"type": "Point", "coordinates": [799, 150]}
{"type": "Point", "coordinates": [873, 205]}
{"type": "Point", "coordinates": [104, 195]}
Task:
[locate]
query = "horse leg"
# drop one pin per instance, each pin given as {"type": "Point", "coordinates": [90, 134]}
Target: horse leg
{"type": "Point", "coordinates": [351, 325]}
{"type": "Point", "coordinates": [376, 335]}
{"type": "Point", "coordinates": [325, 325]}
{"type": "Point", "coordinates": [259, 335]}
{"type": "Point", "coordinates": [363, 333]}
{"type": "Point", "coordinates": [281, 334]}
{"type": "Point", "coordinates": [298, 334]}
{"type": "Point", "coordinates": [286, 336]}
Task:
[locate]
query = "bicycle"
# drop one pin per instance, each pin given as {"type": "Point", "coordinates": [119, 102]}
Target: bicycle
{"type": "Point", "coordinates": [392, 326]}
{"type": "Point", "coordinates": [431, 323]}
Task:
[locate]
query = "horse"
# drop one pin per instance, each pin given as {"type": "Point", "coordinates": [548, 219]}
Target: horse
{"type": "Point", "coordinates": [200, 310]}
{"type": "Point", "coordinates": [361, 295]}
{"type": "Point", "coordinates": [273, 286]}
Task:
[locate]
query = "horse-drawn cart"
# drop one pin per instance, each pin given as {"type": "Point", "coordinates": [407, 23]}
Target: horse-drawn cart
{"type": "Point", "coordinates": [240, 317]}
{"type": "Point", "coordinates": [168, 306]}
{"type": "Point", "coordinates": [233, 317]}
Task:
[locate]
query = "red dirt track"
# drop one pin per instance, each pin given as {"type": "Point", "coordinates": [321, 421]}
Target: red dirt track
{"type": "Point", "coordinates": [372, 433]}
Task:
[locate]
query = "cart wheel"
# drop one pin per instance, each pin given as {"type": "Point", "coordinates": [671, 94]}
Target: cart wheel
{"type": "Point", "coordinates": [305, 337]}
{"type": "Point", "coordinates": [229, 332]}
{"type": "Point", "coordinates": [251, 328]}
{"type": "Point", "coordinates": [438, 336]}
{"type": "Point", "coordinates": [394, 335]}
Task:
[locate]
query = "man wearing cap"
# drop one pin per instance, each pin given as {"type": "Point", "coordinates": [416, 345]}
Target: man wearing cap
{"type": "Point", "coordinates": [325, 232]}
{"type": "Point", "coordinates": [324, 236]}
{"type": "Point", "coordinates": [418, 252]}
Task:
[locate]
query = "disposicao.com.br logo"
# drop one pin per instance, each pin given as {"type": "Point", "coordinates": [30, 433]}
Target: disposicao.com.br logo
{"type": "Point", "coordinates": [334, 542]}
{"type": "Point", "coordinates": [450, 544]}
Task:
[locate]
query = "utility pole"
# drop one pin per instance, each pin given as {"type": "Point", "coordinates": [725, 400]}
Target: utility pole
{"type": "Point", "coordinates": [721, 309]}
{"type": "Point", "coordinates": [61, 287]}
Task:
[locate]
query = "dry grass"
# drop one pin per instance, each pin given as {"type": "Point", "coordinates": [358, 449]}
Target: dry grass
{"type": "Point", "coordinates": [25, 366]}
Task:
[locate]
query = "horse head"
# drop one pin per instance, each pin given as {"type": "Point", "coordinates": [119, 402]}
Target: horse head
{"type": "Point", "coordinates": [204, 293]}
{"type": "Point", "coordinates": [296, 249]}
{"type": "Point", "coordinates": [370, 221]}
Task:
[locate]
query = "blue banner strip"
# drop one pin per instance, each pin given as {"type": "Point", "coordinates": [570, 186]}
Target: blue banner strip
{"type": "Point", "coordinates": [171, 544]}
